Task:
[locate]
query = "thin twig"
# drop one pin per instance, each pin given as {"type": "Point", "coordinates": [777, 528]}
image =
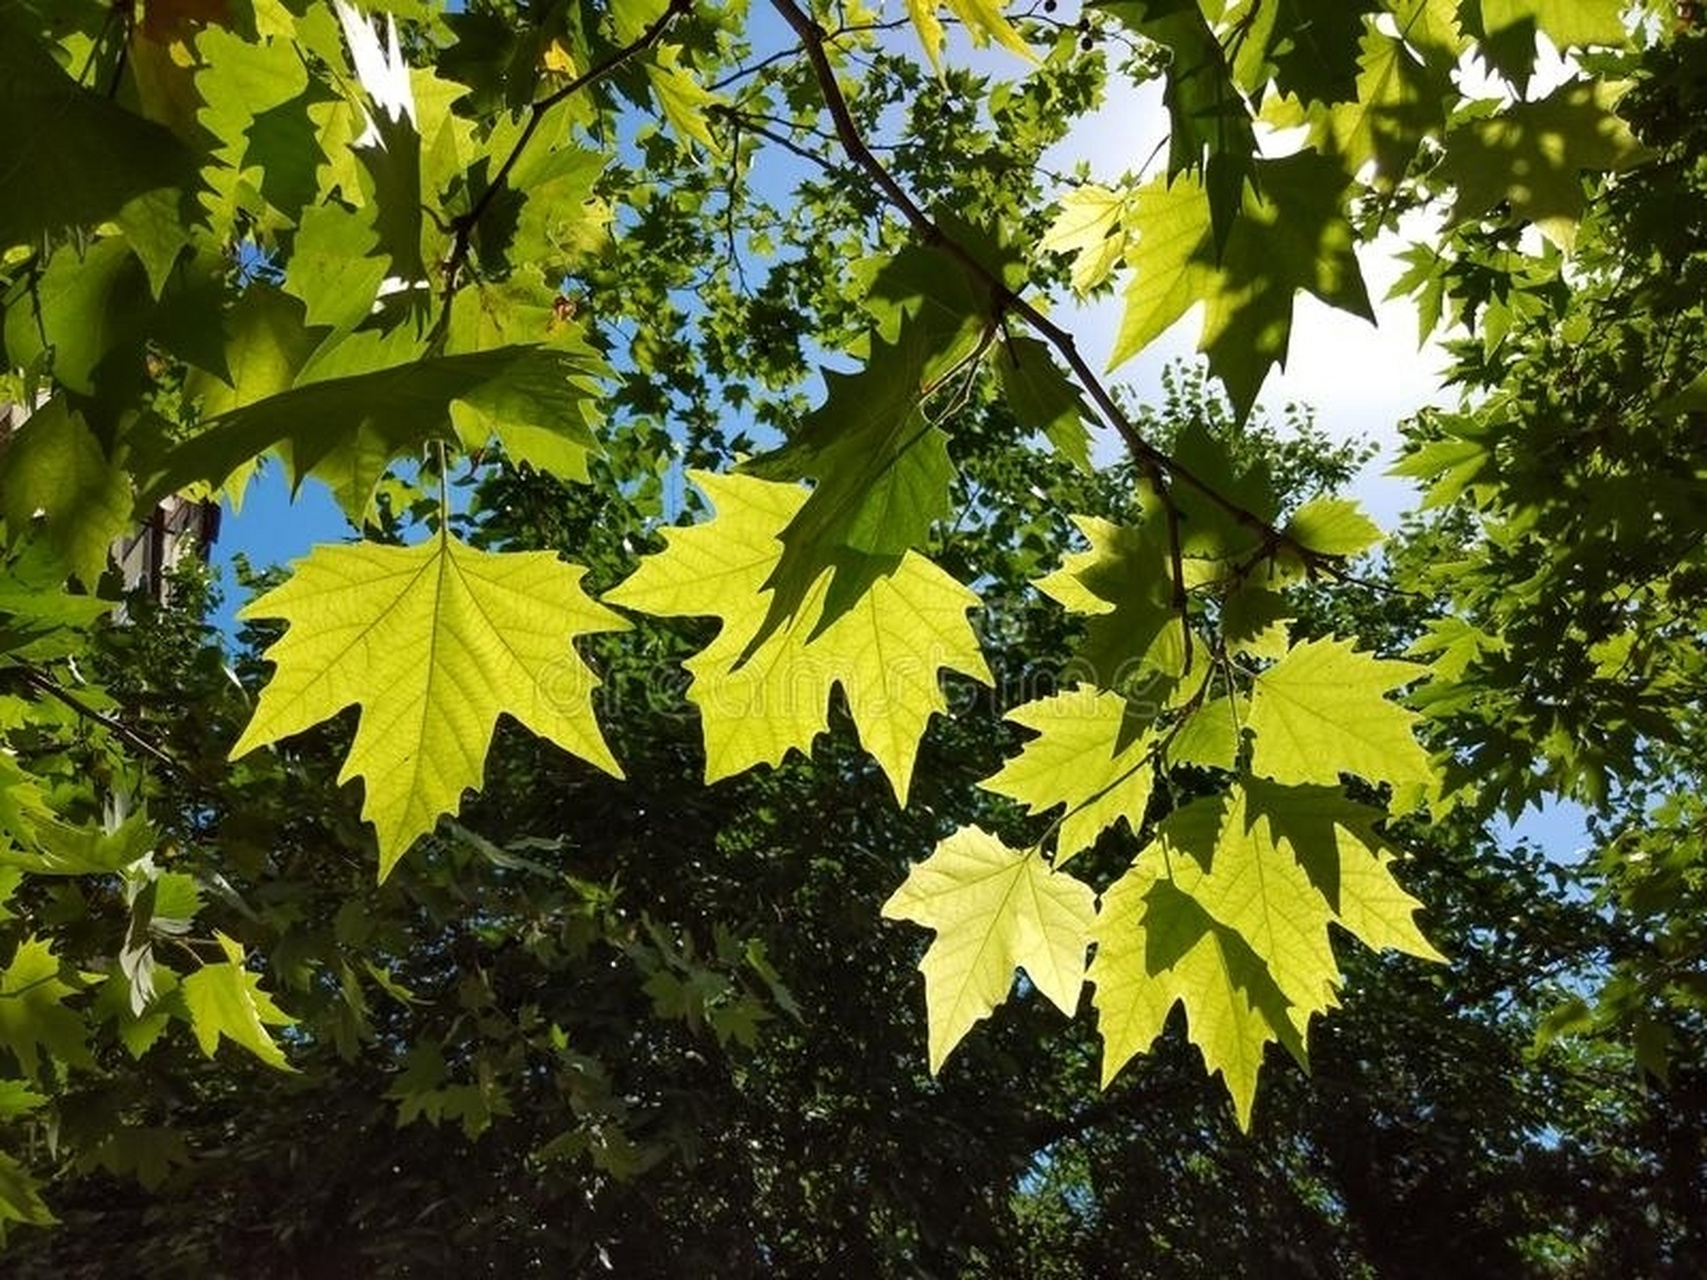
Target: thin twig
{"type": "Point", "coordinates": [1160, 466]}
{"type": "Point", "coordinates": [466, 223]}
{"type": "Point", "coordinates": [42, 684]}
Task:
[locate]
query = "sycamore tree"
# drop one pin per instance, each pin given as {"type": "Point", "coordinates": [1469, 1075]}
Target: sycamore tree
{"type": "Point", "coordinates": [391, 248]}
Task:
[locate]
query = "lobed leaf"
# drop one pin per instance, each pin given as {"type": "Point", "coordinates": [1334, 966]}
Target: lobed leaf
{"type": "Point", "coordinates": [994, 909]}
{"type": "Point", "coordinates": [434, 642]}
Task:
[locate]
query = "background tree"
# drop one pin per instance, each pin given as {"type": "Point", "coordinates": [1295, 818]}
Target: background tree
{"type": "Point", "coordinates": [545, 239]}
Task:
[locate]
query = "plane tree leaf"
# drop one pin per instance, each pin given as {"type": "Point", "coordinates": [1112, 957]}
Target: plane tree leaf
{"type": "Point", "coordinates": [1400, 100]}
{"type": "Point", "coordinates": [34, 1019]}
{"type": "Point", "coordinates": [1088, 230]}
{"type": "Point", "coordinates": [20, 1195]}
{"type": "Point", "coordinates": [1088, 756]}
{"type": "Point", "coordinates": [759, 698]}
{"type": "Point", "coordinates": [1312, 45]}
{"type": "Point", "coordinates": [880, 471]}
{"type": "Point", "coordinates": [225, 1000]}
{"type": "Point", "coordinates": [1333, 526]}
{"type": "Point", "coordinates": [56, 482]}
{"type": "Point", "coordinates": [1323, 710]}
{"type": "Point", "coordinates": [1349, 863]}
{"type": "Point", "coordinates": [1532, 155]}
{"type": "Point", "coordinates": [1042, 398]}
{"type": "Point", "coordinates": [994, 909]}
{"type": "Point", "coordinates": [1227, 912]}
{"type": "Point", "coordinates": [347, 429]}
{"type": "Point", "coordinates": [434, 642]}
{"type": "Point", "coordinates": [1211, 138]}
{"type": "Point", "coordinates": [983, 19]}
{"type": "Point", "coordinates": [84, 316]}
{"type": "Point", "coordinates": [71, 156]}
{"type": "Point", "coordinates": [1158, 946]}
{"type": "Point", "coordinates": [1136, 642]}
{"type": "Point", "coordinates": [1293, 236]}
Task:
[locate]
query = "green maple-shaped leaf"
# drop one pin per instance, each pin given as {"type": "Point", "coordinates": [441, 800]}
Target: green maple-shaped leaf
{"type": "Point", "coordinates": [267, 341]}
{"type": "Point", "coordinates": [1399, 100]}
{"type": "Point", "coordinates": [994, 909]}
{"type": "Point", "coordinates": [55, 478]}
{"type": "Point", "coordinates": [1210, 135]}
{"type": "Point", "coordinates": [1350, 865]}
{"type": "Point", "coordinates": [982, 19]}
{"type": "Point", "coordinates": [1088, 229]}
{"type": "Point", "coordinates": [1042, 399]}
{"type": "Point", "coordinates": [880, 470]}
{"type": "Point", "coordinates": [1157, 946]}
{"type": "Point", "coordinates": [434, 642]}
{"type": "Point", "coordinates": [20, 1196]}
{"type": "Point", "coordinates": [240, 83]}
{"type": "Point", "coordinates": [1135, 642]}
{"type": "Point", "coordinates": [23, 806]}
{"type": "Point", "coordinates": [682, 98]}
{"type": "Point", "coordinates": [1532, 155]}
{"type": "Point", "coordinates": [1433, 29]}
{"type": "Point", "coordinates": [334, 267]}
{"type": "Point", "coordinates": [1227, 912]}
{"type": "Point", "coordinates": [884, 652]}
{"type": "Point", "coordinates": [1092, 754]}
{"type": "Point", "coordinates": [70, 155]}
{"type": "Point", "coordinates": [1322, 710]}
{"type": "Point", "coordinates": [57, 848]}
{"type": "Point", "coordinates": [85, 312]}
{"type": "Point", "coordinates": [1292, 236]}
{"type": "Point", "coordinates": [225, 999]}
{"type": "Point", "coordinates": [346, 429]}
{"type": "Point", "coordinates": [1567, 23]}
{"type": "Point", "coordinates": [33, 1016]}
{"type": "Point", "coordinates": [1333, 526]}
{"type": "Point", "coordinates": [1312, 46]}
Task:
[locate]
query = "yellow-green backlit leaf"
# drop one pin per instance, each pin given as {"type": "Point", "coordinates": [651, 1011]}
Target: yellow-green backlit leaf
{"type": "Point", "coordinates": [1293, 236]}
{"type": "Point", "coordinates": [1399, 100]}
{"type": "Point", "coordinates": [225, 999]}
{"type": "Point", "coordinates": [54, 476]}
{"type": "Point", "coordinates": [1350, 865]}
{"type": "Point", "coordinates": [683, 99]}
{"type": "Point", "coordinates": [33, 1016]}
{"type": "Point", "coordinates": [1155, 947]}
{"type": "Point", "coordinates": [1227, 912]}
{"type": "Point", "coordinates": [994, 909]}
{"type": "Point", "coordinates": [1334, 527]}
{"type": "Point", "coordinates": [1088, 230]}
{"type": "Point", "coordinates": [885, 651]}
{"type": "Point", "coordinates": [982, 19]}
{"type": "Point", "coordinates": [433, 641]}
{"type": "Point", "coordinates": [1567, 23]}
{"type": "Point", "coordinates": [1322, 710]}
{"type": "Point", "coordinates": [1088, 756]}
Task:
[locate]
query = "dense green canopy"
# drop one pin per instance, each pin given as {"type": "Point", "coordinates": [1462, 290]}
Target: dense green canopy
{"type": "Point", "coordinates": [747, 551]}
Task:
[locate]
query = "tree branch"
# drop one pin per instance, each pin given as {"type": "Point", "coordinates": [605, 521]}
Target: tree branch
{"type": "Point", "coordinates": [465, 223]}
{"type": "Point", "coordinates": [42, 684]}
{"type": "Point", "coordinates": [1157, 465]}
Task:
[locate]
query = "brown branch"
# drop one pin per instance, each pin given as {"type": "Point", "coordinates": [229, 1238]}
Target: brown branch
{"type": "Point", "coordinates": [42, 684]}
{"type": "Point", "coordinates": [465, 224]}
{"type": "Point", "coordinates": [1160, 467]}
